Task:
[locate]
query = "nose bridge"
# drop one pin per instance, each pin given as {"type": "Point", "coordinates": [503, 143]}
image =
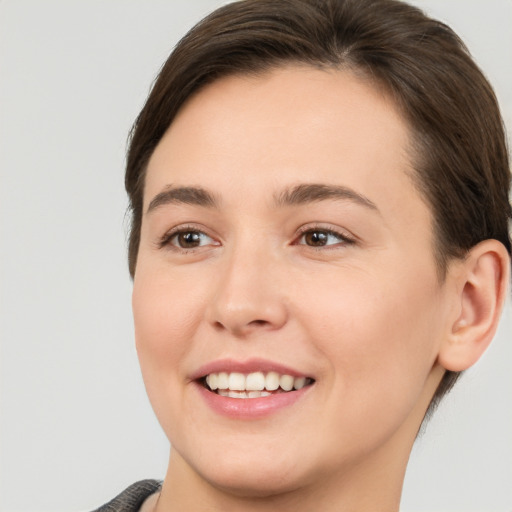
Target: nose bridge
{"type": "Point", "coordinates": [248, 295]}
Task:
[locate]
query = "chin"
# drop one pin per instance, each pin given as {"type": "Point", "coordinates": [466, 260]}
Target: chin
{"type": "Point", "coordinates": [253, 474]}
{"type": "Point", "coordinates": [249, 483]}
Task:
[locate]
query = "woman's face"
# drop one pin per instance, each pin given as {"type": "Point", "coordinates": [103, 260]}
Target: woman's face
{"type": "Point", "coordinates": [282, 238]}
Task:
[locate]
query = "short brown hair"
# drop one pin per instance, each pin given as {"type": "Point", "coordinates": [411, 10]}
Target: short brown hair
{"type": "Point", "coordinates": [460, 152]}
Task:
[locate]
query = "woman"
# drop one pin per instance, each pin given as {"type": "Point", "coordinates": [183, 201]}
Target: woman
{"type": "Point", "coordinates": [319, 247]}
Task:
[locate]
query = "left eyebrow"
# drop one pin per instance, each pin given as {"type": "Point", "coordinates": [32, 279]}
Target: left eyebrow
{"type": "Point", "coordinates": [186, 195]}
{"type": "Point", "coordinates": [315, 192]}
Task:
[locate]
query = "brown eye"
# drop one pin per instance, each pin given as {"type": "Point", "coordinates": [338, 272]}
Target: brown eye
{"type": "Point", "coordinates": [322, 238]}
{"type": "Point", "coordinates": [316, 238]}
{"type": "Point", "coordinates": [190, 239]}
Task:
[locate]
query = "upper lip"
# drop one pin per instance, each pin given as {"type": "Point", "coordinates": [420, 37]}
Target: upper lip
{"type": "Point", "coordinates": [245, 367]}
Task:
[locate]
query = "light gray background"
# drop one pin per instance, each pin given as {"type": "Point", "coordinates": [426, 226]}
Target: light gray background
{"type": "Point", "coordinates": [76, 427]}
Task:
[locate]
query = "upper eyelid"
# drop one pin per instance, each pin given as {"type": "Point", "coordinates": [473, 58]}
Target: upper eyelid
{"type": "Point", "coordinates": [164, 240]}
{"type": "Point", "coordinates": [342, 240]}
{"type": "Point", "coordinates": [181, 231]}
{"type": "Point", "coordinates": [327, 231]}
{"type": "Point", "coordinates": [334, 230]}
{"type": "Point", "coordinates": [183, 228]}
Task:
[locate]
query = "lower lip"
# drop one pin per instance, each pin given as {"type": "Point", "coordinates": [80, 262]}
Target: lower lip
{"type": "Point", "coordinates": [250, 408]}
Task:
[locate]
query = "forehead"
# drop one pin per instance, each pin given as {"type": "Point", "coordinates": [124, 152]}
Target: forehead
{"type": "Point", "coordinates": [276, 113]}
{"type": "Point", "coordinates": [252, 135]}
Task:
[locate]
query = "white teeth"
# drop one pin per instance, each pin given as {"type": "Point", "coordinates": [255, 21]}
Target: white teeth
{"type": "Point", "coordinates": [255, 381]}
{"type": "Point", "coordinates": [222, 380]}
{"type": "Point", "coordinates": [243, 394]}
{"type": "Point", "coordinates": [286, 382]}
{"type": "Point", "coordinates": [299, 382]}
{"type": "Point", "coordinates": [253, 385]}
{"type": "Point", "coordinates": [272, 381]}
{"type": "Point", "coordinates": [236, 381]}
{"type": "Point", "coordinates": [212, 381]}
{"type": "Point", "coordinates": [257, 394]}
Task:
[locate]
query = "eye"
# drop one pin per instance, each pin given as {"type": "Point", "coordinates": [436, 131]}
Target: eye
{"type": "Point", "coordinates": [323, 237]}
{"type": "Point", "coordinates": [188, 239]}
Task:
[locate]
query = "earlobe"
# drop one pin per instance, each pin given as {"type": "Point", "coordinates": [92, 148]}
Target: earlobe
{"type": "Point", "coordinates": [484, 277]}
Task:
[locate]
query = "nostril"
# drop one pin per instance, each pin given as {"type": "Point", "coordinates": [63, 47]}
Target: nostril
{"type": "Point", "coordinates": [218, 326]}
{"type": "Point", "coordinates": [241, 329]}
{"type": "Point", "coordinates": [258, 322]}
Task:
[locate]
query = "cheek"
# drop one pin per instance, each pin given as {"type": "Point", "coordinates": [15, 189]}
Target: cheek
{"type": "Point", "coordinates": [158, 320]}
{"type": "Point", "coordinates": [379, 336]}
{"type": "Point", "coordinates": [165, 309]}
{"type": "Point", "coordinates": [165, 319]}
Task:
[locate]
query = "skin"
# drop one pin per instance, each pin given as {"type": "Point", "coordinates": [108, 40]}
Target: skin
{"type": "Point", "coordinates": [366, 318]}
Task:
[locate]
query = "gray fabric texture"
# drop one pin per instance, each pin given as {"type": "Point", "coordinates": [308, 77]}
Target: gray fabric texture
{"type": "Point", "coordinates": [131, 499]}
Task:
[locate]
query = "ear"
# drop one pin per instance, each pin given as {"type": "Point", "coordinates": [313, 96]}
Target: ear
{"type": "Point", "coordinates": [482, 289]}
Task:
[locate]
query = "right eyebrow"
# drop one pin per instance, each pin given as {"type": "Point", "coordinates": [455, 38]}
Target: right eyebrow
{"type": "Point", "coordinates": [306, 193]}
{"type": "Point", "coordinates": [186, 195]}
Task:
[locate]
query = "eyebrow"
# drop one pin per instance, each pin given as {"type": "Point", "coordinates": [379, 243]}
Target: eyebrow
{"type": "Point", "coordinates": [185, 195]}
{"type": "Point", "coordinates": [300, 194]}
{"type": "Point", "coordinates": [315, 192]}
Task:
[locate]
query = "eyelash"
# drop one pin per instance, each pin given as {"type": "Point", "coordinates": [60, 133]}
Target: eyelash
{"type": "Point", "coordinates": [166, 240]}
{"type": "Point", "coordinates": [344, 239]}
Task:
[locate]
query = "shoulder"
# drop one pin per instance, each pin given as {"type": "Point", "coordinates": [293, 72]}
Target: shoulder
{"type": "Point", "coordinates": [132, 498]}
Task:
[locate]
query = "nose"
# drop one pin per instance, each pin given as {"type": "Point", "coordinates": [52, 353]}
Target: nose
{"type": "Point", "coordinates": [249, 296]}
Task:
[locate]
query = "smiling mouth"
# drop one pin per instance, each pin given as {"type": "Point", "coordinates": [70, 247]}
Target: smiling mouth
{"type": "Point", "coordinates": [253, 385]}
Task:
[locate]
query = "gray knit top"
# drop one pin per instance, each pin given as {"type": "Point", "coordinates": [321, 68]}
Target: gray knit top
{"type": "Point", "coordinates": [131, 499]}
